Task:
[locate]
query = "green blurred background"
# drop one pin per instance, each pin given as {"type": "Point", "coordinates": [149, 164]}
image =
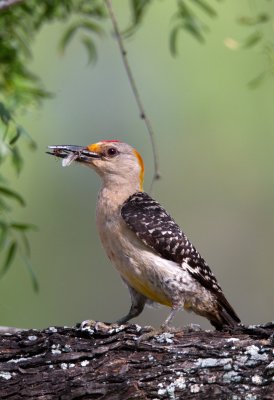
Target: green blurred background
{"type": "Point", "coordinates": [216, 144]}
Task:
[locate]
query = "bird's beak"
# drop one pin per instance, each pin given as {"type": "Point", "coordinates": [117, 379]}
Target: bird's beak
{"type": "Point", "coordinates": [72, 153]}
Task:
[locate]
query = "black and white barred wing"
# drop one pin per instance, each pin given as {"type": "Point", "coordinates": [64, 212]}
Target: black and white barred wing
{"type": "Point", "coordinates": [157, 229]}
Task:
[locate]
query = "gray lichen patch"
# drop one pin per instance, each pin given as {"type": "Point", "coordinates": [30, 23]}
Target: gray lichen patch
{"type": "Point", "coordinates": [150, 358]}
{"type": "Point", "coordinates": [165, 337]}
{"type": "Point", "coordinates": [211, 379]}
{"type": "Point", "coordinates": [138, 328]}
{"type": "Point", "coordinates": [251, 397]}
{"type": "Point", "coordinates": [254, 353]}
{"type": "Point", "coordinates": [241, 360]}
{"type": "Point", "coordinates": [169, 390]}
{"type": "Point", "coordinates": [270, 368]}
{"type": "Point", "coordinates": [18, 360]}
{"type": "Point", "coordinates": [212, 362]}
{"type": "Point", "coordinates": [84, 363]}
{"type": "Point", "coordinates": [233, 339]}
{"type": "Point", "coordinates": [195, 388]}
{"type": "Point", "coordinates": [232, 376]}
{"type": "Point", "coordinates": [67, 348]}
{"type": "Point", "coordinates": [67, 365]}
{"type": "Point", "coordinates": [24, 359]}
{"type": "Point", "coordinates": [58, 349]}
{"type": "Point", "coordinates": [55, 349]}
{"type": "Point", "coordinates": [32, 338]}
{"type": "Point", "coordinates": [52, 329]}
{"type": "Point", "coordinates": [6, 375]}
{"type": "Point", "coordinates": [257, 380]}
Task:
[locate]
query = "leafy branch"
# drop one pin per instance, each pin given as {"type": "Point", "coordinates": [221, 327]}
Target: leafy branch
{"type": "Point", "coordinates": [190, 18]}
{"type": "Point", "coordinates": [20, 22]}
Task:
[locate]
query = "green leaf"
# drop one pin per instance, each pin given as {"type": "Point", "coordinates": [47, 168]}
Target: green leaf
{"type": "Point", "coordinates": [33, 277]}
{"type": "Point", "coordinates": [16, 159]}
{"type": "Point", "coordinates": [14, 195]}
{"type": "Point", "coordinates": [257, 81]}
{"type": "Point", "coordinates": [17, 135]}
{"type": "Point", "coordinates": [27, 135]}
{"type": "Point", "coordinates": [190, 22]}
{"type": "Point", "coordinates": [205, 7]}
{"type": "Point", "coordinates": [25, 243]}
{"type": "Point", "coordinates": [4, 206]}
{"type": "Point", "coordinates": [173, 40]}
{"type": "Point", "coordinates": [24, 45]}
{"type": "Point", "coordinates": [5, 115]}
{"type": "Point", "coordinates": [91, 26]}
{"type": "Point", "coordinates": [90, 48]}
{"type": "Point", "coordinates": [35, 93]}
{"type": "Point", "coordinates": [194, 30]}
{"type": "Point", "coordinates": [22, 226]}
{"type": "Point", "coordinates": [251, 21]}
{"type": "Point", "coordinates": [67, 37]}
{"type": "Point", "coordinates": [183, 11]}
{"type": "Point", "coordinates": [73, 28]}
{"type": "Point", "coordinates": [253, 39]}
{"type": "Point", "coordinates": [9, 258]}
{"type": "Point", "coordinates": [138, 9]}
{"type": "Point", "coordinates": [3, 234]}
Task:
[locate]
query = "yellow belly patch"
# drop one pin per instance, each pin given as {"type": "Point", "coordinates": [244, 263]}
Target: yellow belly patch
{"type": "Point", "coordinates": [146, 290]}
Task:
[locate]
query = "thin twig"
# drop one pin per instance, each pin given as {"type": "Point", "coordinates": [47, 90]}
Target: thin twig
{"type": "Point", "coordinates": [135, 91]}
{"type": "Point", "coordinates": [4, 4]}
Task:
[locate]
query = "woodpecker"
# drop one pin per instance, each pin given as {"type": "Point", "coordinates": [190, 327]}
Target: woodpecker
{"type": "Point", "coordinates": [152, 254]}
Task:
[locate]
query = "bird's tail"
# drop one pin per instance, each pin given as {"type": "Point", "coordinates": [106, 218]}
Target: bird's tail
{"type": "Point", "coordinates": [227, 317]}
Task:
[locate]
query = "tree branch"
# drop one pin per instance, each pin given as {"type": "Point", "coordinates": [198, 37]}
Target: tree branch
{"type": "Point", "coordinates": [135, 90]}
{"type": "Point", "coordinates": [4, 4]}
{"type": "Point", "coordinates": [9, 329]}
{"type": "Point", "coordinates": [109, 362]}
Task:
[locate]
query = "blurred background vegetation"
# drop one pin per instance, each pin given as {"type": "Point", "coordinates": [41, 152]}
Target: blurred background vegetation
{"type": "Point", "coordinates": [205, 73]}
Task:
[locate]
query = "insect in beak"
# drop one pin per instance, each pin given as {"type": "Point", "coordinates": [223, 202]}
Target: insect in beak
{"type": "Point", "coordinates": [70, 153]}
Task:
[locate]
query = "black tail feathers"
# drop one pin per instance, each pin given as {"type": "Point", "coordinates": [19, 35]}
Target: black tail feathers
{"type": "Point", "coordinates": [227, 317]}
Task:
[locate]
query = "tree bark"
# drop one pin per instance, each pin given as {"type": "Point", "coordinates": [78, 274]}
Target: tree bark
{"type": "Point", "coordinates": [111, 362]}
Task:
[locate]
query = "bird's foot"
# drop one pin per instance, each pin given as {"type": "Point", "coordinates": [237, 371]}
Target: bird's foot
{"type": "Point", "coordinates": [90, 324]}
{"type": "Point", "coordinates": [87, 324]}
{"type": "Point", "coordinates": [164, 334]}
{"type": "Point", "coordinates": [193, 328]}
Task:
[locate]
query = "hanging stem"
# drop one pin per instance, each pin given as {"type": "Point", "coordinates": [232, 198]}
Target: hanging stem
{"type": "Point", "coordinates": [143, 114]}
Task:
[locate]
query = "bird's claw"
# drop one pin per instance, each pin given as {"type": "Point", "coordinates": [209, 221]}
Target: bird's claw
{"type": "Point", "coordinates": [154, 333]}
{"type": "Point", "coordinates": [89, 324]}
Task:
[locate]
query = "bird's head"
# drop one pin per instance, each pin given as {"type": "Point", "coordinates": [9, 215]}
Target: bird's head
{"type": "Point", "coordinates": [117, 163]}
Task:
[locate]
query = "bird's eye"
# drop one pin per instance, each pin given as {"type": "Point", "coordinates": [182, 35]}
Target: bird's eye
{"type": "Point", "coordinates": [112, 152]}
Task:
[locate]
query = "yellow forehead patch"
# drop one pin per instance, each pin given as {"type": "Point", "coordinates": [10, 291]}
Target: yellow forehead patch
{"type": "Point", "coordinates": [95, 147]}
{"type": "Point", "coordinates": [142, 167]}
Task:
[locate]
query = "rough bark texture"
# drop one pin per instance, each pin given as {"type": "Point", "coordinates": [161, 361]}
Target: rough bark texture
{"type": "Point", "coordinates": [109, 362]}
